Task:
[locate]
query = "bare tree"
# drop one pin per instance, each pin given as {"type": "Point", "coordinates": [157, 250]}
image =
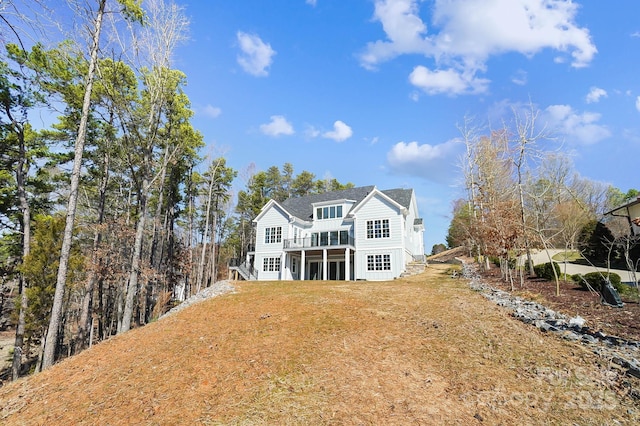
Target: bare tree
{"type": "Point", "coordinates": [525, 150]}
{"type": "Point", "coordinates": [154, 47]}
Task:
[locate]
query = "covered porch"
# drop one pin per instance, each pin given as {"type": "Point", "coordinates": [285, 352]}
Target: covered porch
{"type": "Point", "coordinates": [333, 263]}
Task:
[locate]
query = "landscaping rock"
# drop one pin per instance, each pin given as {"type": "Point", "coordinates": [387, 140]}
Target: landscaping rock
{"type": "Point", "coordinates": [619, 351]}
{"type": "Point", "coordinates": [217, 289]}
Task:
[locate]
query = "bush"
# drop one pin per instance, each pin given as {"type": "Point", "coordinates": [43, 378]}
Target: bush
{"type": "Point", "coordinates": [597, 280]}
{"type": "Point", "coordinates": [629, 291]}
{"type": "Point", "coordinates": [545, 270]}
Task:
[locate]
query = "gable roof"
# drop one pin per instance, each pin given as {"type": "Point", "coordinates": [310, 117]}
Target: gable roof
{"type": "Point", "coordinates": [626, 206]}
{"type": "Point", "coordinates": [302, 207]}
{"type": "Point", "coordinates": [266, 207]}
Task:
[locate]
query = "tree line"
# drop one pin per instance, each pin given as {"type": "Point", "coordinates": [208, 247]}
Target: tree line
{"type": "Point", "coordinates": [523, 194]}
{"type": "Point", "coordinates": [112, 213]}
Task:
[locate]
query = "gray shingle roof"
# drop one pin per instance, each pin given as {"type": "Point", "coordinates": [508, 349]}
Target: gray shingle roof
{"type": "Point", "coordinates": [302, 207]}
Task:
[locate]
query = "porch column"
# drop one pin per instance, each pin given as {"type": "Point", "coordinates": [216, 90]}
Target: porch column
{"type": "Point", "coordinates": [284, 268]}
{"type": "Point", "coordinates": [302, 264]}
{"type": "Point", "coordinates": [324, 264]}
{"type": "Point", "coordinates": [347, 265]}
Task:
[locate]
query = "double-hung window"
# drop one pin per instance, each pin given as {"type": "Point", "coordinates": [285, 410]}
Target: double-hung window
{"type": "Point", "coordinates": [273, 235]}
{"type": "Point", "coordinates": [378, 228]}
{"type": "Point", "coordinates": [379, 262]}
{"type": "Point", "coordinates": [271, 264]}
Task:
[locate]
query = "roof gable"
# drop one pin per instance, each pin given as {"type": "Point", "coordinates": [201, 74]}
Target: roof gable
{"type": "Point", "coordinates": [381, 194]}
{"type": "Point", "coordinates": [272, 204]}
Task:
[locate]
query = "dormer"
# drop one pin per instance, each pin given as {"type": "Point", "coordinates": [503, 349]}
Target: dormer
{"type": "Point", "coordinates": [331, 210]}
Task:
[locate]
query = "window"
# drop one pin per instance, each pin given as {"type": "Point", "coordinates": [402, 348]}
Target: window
{"type": "Point", "coordinates": [271, 264]}
{"type": "Point", "coordinates": [333, 238]}
{"type": "Point", "coordinates": [329, 212]}
{"type": "Point", "coordinates": [379, 262]}
{"type": "Point", "coordinates": [330, 238]}
{"type": "Point", "coordinates": [378, 228]}
{"type": "Point", "coordinates": [273, 235]}
{"type": "Point", "coordinates": [344, 237]}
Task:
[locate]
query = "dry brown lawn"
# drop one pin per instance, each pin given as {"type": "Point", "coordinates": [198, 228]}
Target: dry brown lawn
{"type": "Point", "coordinates": [416, 351]}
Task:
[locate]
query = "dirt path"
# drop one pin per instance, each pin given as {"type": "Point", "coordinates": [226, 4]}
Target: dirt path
{"type": "Point", "coordinates": [421, 350]}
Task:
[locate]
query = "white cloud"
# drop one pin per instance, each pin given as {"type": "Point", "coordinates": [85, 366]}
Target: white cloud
{"type": "Point", "coordinates": [446, 81]}
{"type": "Point", "coordinates": [256, 56]}
{"type": "Point", "coordinates": [519, 78]}
{"type": "Point", "coordinates": [437, 163]}
{"type": "Point", "coordinates": [471, 31]}
{"type": "Point", "coordinates": [311, 2]}
{"type": "Point", "coordinates": [595, 94]}
{"type": "Point", "coordinates": [341, 132]}
{"type": "Point", "coordinates": [577, 128]}
{"type": "Point", "coordinates": [638, 103]}
{"type": "Point", "coordinates": [311, 132]}
{"type": "Point", "coordinates": [211, 111]}
{"type": "Point", "coordinates": [278, 126]}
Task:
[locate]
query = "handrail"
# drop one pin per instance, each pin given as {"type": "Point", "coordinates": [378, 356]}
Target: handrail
{"type": "Point", "coordinates": [243, 266]}
{"type": "Point", "coordinates": [308, 242]}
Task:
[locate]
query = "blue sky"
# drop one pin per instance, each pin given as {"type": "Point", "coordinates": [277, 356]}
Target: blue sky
{"type": "Point", "coordinates": [372, 91]}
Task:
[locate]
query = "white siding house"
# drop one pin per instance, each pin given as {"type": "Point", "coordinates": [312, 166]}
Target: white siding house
{"type": "Point", "coordinates": [354, 234]}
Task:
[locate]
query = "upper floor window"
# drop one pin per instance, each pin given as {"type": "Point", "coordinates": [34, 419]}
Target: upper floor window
{"type": "Point", "coordinates": [378, 228]}
{"type": "Point", "coordinates": [329, 212]}
{"type": "Point", "coordinates": [273, 235]}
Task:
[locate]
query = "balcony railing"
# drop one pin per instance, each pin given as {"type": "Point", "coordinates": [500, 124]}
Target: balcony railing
{"type": "Point", "coordinates": [320, 242]}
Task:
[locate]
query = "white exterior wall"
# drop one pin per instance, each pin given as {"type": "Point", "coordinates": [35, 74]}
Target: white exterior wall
{"type": "Point", "coordinates": [414, 241]}
{"type": "Point", "coordinates": [377, 208]}
{"type": "Point", "coordinates": [274, 217]}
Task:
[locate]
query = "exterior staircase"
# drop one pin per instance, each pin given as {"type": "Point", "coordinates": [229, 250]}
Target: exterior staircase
{"type": "Point", "coordinates": [414, 268]}
{"type": "Point", "coordinates": [244, 270]}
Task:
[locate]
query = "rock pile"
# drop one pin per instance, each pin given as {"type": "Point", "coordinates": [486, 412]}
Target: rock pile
{"type": "Point", "coordinates": [217, 289]}
{"type": "Point", "coordinates": [624, 353]}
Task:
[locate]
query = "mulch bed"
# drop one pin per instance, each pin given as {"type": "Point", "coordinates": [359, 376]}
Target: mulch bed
{"type": "Point", "coordinates": [622, 322]}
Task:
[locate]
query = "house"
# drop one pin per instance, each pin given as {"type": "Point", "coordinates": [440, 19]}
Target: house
{"type": "Point", "coordinates": [354, 234]}
{"type": "Point", "coordinates": [631, 211]}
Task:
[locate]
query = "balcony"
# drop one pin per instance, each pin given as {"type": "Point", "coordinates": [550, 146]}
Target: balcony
{"type": "Point", "coordinates": [321, 240]}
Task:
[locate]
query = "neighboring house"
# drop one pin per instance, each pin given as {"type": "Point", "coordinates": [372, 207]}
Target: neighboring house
{"type": "Point", "coordinates": [630, 211]}
{"type": "Point", "coordinates": [354, 234]}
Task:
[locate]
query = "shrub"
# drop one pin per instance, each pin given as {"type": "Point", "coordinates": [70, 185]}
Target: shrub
{"type": "Point", "coordinates": [629, 291]}
{"type": "Point", "coordinates": [597, 280]}
{"type": "Point", "coordinates": [545, 270]}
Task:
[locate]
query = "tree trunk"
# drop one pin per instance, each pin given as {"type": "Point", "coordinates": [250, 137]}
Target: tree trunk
{"type": "Point", "coordinates": [132, 288]}
{"type": "Point", "coordinates": [214, 272]}
{"type": "Point", "coordinates": [56, 311]}
{"type": "Point", "coordinates": [25, 209]}
{"type": "Point", "coordinates": [87, 301]}
{"type": "Point", "coordinates": [199, 279]}
{"type": "Point", "coordinates": [154, 259]}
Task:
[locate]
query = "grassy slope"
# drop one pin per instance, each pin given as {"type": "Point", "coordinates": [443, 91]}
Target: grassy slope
{"type": "Point", "coordinates": [421, 350]}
